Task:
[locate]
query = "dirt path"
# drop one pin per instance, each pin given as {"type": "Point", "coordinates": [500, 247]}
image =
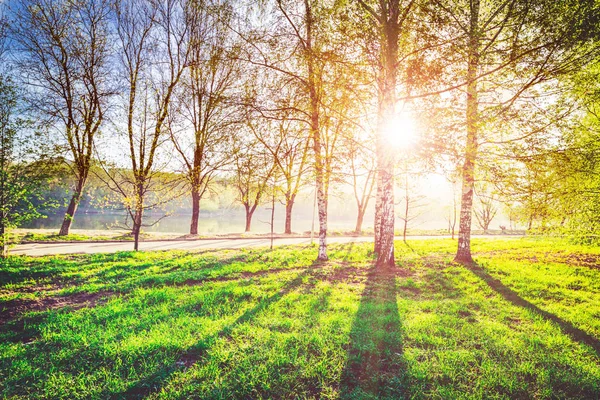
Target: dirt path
{"type": "Point", "coordinates": [45, 249]}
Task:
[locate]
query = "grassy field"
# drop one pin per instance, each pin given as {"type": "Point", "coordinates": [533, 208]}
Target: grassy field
{"type": "Point", "coordinates": [524, 322]}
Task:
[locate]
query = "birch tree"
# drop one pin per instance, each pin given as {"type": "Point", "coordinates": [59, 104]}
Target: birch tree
{"type": "Point", "coordinates": [303, 64]}
{"type": "Point", "coordinates": [390, 20]}
{"type": "Point", "coordinates": [505, 50]}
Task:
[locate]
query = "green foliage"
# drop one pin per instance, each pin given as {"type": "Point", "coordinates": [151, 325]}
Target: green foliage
{"type": "Point", "coordinates": [258, 324]}
{"type": "Point", "coordinates": [24, 168]}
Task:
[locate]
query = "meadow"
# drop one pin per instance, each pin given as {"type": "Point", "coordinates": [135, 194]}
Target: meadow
{"type": "Point", "coordinates": [522, 322]}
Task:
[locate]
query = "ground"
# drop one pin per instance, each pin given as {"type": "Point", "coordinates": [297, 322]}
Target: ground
{"type": "Point", "coordinates": [81, 244]}
{"type": "Point", "coordinates": [523, 322]}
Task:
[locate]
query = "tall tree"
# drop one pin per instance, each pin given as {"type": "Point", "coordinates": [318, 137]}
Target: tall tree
{"type": "Point", "coordinates": [206, 99]}
{"type": "Point", "coordinates": [307, 24]}
{"type": "Point", "coordinates": [64, 55]}
{"type": "Point", "coordinates": [154, 54]}
{"type": "Point", "coordinates": [389, 19]}
{"type": "Point", "coordinates": [504, 49]}
{"type": "Point", "coordinates": [24, 167]}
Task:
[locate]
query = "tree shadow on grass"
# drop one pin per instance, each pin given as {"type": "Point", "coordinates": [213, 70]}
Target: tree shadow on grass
{"type": "Point", "coordinates": [17, 270]}
{"type": "Point", "coordinates": [375, 366]}
{"type": "Point", "coordinates": [510, 295]}
{"type": "Point", "coordinates": [156, 381]}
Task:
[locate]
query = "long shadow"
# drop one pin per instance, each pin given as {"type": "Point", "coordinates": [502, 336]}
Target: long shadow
{"type": "Point", "coordinates": [510, 295]}
{"type": "Point", "coordinates": [18, 269]}
{"type": "Point", "coordinates": [375, 366]}
{"type": "Point", "coordinates": [156, 381]}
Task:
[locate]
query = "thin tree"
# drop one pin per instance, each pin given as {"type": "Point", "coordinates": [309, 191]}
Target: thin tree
{"type": "Point", "coordinates": [154, 53]}
{"type": "Point", "coordinates": [452, 211]}
{"type": "Point", "coordinates": [412, 203]}
{"type": "Point", "coordinates": [300, 22]}
{"type": "Point", "coordinates": [64, 55]}
{"type": "Point", "coordinates": [362, 173]}
{"type": "Point", "coordinates": [252, 172]}
{"type": "Point", "coordinates": [283, 139]}
{"type": "Point", "coordinates": [205, 101]}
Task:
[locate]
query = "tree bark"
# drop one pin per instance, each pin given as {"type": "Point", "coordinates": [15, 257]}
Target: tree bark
{"type": "Point", "coordinates": [137, 227]}
{"type": "Point", "coordinates": [359, 221]}
{"type": "Point", "coordinates": [195, 212]}
{"type": "Point", "coordinates": [463, 253]}
{"type": "Point", "coordinates": [405, 220]}
{"type": "Point", "coordinates": [315, 132]}
{"type": "Point", "coordinates": [377, 222]}
{"type": "Point", "coordinates": [249, 214]}
{"type": "Point", "coordinates": [384, 210]}
{"type": "Point", "coordinates": [70, 214]}
{"type": "Point", "coordinates": [3, 244]}
{"type": "Point", "coordinates": [385, 256]}
{"type": "Point", "coordinates": [289, 204]}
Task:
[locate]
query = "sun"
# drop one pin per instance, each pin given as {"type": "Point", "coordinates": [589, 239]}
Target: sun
{"type": "Point", "coordinates": [401, 131]}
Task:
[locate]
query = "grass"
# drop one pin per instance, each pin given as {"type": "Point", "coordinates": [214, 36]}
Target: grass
{"type": "Point", "coordinates": [82, 235]}
{"type": "Point", "coordinates": [524, 322]}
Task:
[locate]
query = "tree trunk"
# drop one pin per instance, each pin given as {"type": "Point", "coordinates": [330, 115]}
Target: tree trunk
{"type": "Point", "coordinates": [249, 213]}
{"type": "Point", "coordinates": [195, 212]}
{"type": "Point", "coordinates": [463, 253]}
{"type": "Point", "coordinates": [384, 210]}
{"type": "Point", "coordinates": [137, 227]}
{"type": "Point", "coordinates": [315, 132]}
{"type": "Point", "coordinates": [385, 256]}
{"type": "Point", "coordinates": [453, 218]}
{"type": "Point", "coordinates": [137, 218]}
{"type": "Point", "coordinates": [359, 220]}
{"type": "Point", "coordinates": [272, 216]}
{"type": "Point", "coordinates": [289, 204]}
{"type": "Point", "coordinates": [70, 214]}
{"type": "Point", "coordinates": [377, 223]}
{"type": "Point", "coordinates": [406, 208]}
{"type": "Point", "coordinates": [3, 240]}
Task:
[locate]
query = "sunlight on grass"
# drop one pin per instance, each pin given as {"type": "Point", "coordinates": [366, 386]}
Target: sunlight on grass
{"type": "Point", "coordinates": [258, 324]}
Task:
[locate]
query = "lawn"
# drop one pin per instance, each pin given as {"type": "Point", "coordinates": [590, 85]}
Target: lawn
{"type": "Point", "coordinates": [524, 322]}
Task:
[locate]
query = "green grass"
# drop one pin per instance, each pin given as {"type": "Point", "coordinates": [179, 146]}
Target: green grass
{"type": "Point", "coordinates": [522, 323]}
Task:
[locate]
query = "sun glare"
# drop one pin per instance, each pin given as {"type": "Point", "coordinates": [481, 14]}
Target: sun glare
{"type": "Point", "coordinates": [401, 131]}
